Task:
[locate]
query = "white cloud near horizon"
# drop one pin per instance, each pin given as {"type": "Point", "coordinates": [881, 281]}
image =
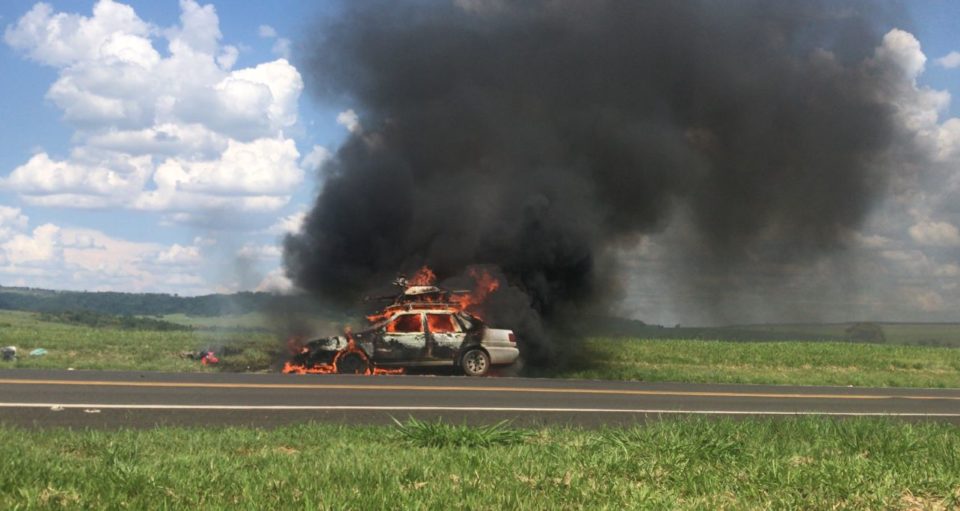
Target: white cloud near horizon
{"type": "Point", "coordinates": [70, 258]}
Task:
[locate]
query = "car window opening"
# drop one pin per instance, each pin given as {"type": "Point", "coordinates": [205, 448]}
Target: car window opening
{"type": "Point", "coordinates": [407, 323]}
{"type": "Point", "coordinates": [466, 321]}
{"type": "Point", "coordinates": [441, 323]}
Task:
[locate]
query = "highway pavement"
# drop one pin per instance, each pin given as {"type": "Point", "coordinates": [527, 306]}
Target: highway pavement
{"type": "Point", "coordinates": [106, 399]}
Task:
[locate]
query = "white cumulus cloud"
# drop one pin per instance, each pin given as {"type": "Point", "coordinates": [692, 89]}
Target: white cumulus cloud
{"type": "Point", "coordinates": [290, 224]}
{"type": "Point", "coordinates": [257, 175]}
{"type": "Point", "coordinates": [950, 60]}
{"type": "Point", "coordinates": [11, 220]}
{"type": "Point", "coordinates": [60, 39]}
{"type": "Point", "coordinates": [79, 182]}
{"type": "Point", "coordinates": [350, 120]}
{"type": "Point", "coordinates": [43, 245]}
{"type": "Point", "coordinates": [315, 158]}
{"type": "Point", "coordinates": [179, 118]}
{"type": "Point", "coordinates": [178, 255]}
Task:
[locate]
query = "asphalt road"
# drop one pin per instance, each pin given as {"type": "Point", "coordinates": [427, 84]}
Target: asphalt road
{"type": "Point", "coordinates": [34, 398]}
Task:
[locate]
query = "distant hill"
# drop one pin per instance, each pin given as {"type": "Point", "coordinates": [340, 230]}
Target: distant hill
{"type": "Point", "coordinates": [147, 304]}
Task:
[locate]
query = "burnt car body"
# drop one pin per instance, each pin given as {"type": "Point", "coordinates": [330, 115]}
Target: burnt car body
{"type": "Point", "coordinates": [422, 328]}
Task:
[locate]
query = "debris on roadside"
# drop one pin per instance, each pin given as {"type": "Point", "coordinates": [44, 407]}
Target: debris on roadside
{"type": "Point", "coordinates": [8, 353]}
{"type": "Point", "coordinates": [205, 356]}
{"type": "Point", "coordinates": [56, 408]}
{"type": "Point", "coordinates": [39, 352]}
{"type": "Point", "coordinates": [91, 410]}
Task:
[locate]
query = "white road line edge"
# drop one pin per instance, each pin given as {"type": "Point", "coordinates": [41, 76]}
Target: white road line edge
{"type": "Point", "coordinates": [462, 409]}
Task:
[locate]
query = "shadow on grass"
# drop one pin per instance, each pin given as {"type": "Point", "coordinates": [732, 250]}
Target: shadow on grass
{"type": "Point", "coordinates": [571, 357]}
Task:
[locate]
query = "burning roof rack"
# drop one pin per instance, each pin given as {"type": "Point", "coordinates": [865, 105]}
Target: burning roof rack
{"type": "Point", "coordinates": [416, 297]}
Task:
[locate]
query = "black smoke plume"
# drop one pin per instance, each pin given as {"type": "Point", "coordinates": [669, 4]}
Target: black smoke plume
{"type": "Point", "coordinates": [537, 136]}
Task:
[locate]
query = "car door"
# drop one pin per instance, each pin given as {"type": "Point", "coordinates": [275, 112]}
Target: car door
{"type": "Point", "coordinates": [403, 338]}
{"type": "Point", "coordinates": [445, 334]}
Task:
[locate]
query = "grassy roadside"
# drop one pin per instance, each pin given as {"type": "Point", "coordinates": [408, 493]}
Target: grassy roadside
{"type": "Point", "coordinates": [245, 345]}
{"type": "Point", "coordinates": [85, 347]}
{"type": "Point", "coordinates": [676, 464]}
{"type": "Point", "coordinates": [796, 363]}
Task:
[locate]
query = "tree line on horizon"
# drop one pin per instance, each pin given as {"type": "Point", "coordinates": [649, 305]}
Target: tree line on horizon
{"type": "Point", "coordinates": [146, 304]}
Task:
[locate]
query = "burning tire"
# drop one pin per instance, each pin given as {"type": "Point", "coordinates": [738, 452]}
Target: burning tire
{"type": "Point", "coordinates": [352, 363]}
{"type": "Point", "coordinates": [475, 362]}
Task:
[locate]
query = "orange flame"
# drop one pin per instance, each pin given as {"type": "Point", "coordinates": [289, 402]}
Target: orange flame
{"type": "Point", "coordinates": [486, 283]}
{"type": "Point", "coordinates": [423, 277]}
{"type": "Point", "coordinates": [331, 368]}
{"type": "Point", "coordinates": [291, 368]}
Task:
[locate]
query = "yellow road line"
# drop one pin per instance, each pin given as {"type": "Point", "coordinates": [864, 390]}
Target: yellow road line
{"type": "Point", "coordinates": [400, 408]}
{"type": "Point", "coordinates": [540, 390]}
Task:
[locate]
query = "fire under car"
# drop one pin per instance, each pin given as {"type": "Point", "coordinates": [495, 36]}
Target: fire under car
{"type": "Point", "coordinates": [421, 329]}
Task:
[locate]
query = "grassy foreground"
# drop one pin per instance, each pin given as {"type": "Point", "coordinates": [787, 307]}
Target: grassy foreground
{"type": "Point", "coordinates": [685, 464]}
{"type": "Point", "coordinates": [797, 363]}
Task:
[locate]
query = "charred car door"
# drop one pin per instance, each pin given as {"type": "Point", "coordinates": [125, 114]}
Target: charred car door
{"type": "Point", "coordinates": [445, 333]}
{"type": "Point", "coordinates": [403, 338]}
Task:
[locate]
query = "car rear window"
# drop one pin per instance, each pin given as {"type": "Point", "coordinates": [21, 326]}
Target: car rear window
{"type": "Point", "coordinates": [441, 323]}
{"type": "Point", "coordinates": [405, 324]}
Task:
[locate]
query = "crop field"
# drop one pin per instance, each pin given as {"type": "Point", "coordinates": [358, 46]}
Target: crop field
{"type": "Point", "coordinates": [914, 334]}
{"type": "Point", "coordinates": [795, 363]}
{"type": "Point", "coordinates": [674, 464]}
{"type": "Point", "coordinates": [921, 334]}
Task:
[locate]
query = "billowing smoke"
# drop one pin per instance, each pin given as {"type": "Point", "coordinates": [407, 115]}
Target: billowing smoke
{"type": "Point", "coordinates": [539, 136]}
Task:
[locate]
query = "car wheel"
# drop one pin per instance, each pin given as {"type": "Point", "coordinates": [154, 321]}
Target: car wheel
{"type": "Point", "coordinates": [352, 363]}
{"type": "Point", "coordinates": [475, 362]}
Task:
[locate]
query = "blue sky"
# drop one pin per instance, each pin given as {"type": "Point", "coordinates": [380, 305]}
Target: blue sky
{"type": "Point", "coordinates": [934, 23]}
{"type": "Point", "coordinates": [167, 146]}
{"type": "Point", "coordinates": [32, 123]}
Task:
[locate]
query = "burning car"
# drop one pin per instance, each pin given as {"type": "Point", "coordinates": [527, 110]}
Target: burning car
{"type": "Point", "coordinates": [425, 326]}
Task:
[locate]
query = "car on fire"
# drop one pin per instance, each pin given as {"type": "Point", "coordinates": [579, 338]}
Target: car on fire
{"type": "Point", "coordinates": [424, 327]}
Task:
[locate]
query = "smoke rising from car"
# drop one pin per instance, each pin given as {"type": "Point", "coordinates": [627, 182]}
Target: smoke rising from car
{"type": "Point", "coordinates": [541, 136]}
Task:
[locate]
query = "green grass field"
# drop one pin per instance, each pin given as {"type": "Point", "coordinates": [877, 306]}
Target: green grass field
{"type": "Point", "coordinates": [798, 363]}
{"type": "Point", "coordinates": [675, 464]}
{"type": "Point", "coordinates": [918, 334]}
{"type": "Point", "coordinates": [84, 347]}
{"type": "Point", "coordinates": [921, 334]}
{"type": "Point", "coordinates": [250, 345]}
